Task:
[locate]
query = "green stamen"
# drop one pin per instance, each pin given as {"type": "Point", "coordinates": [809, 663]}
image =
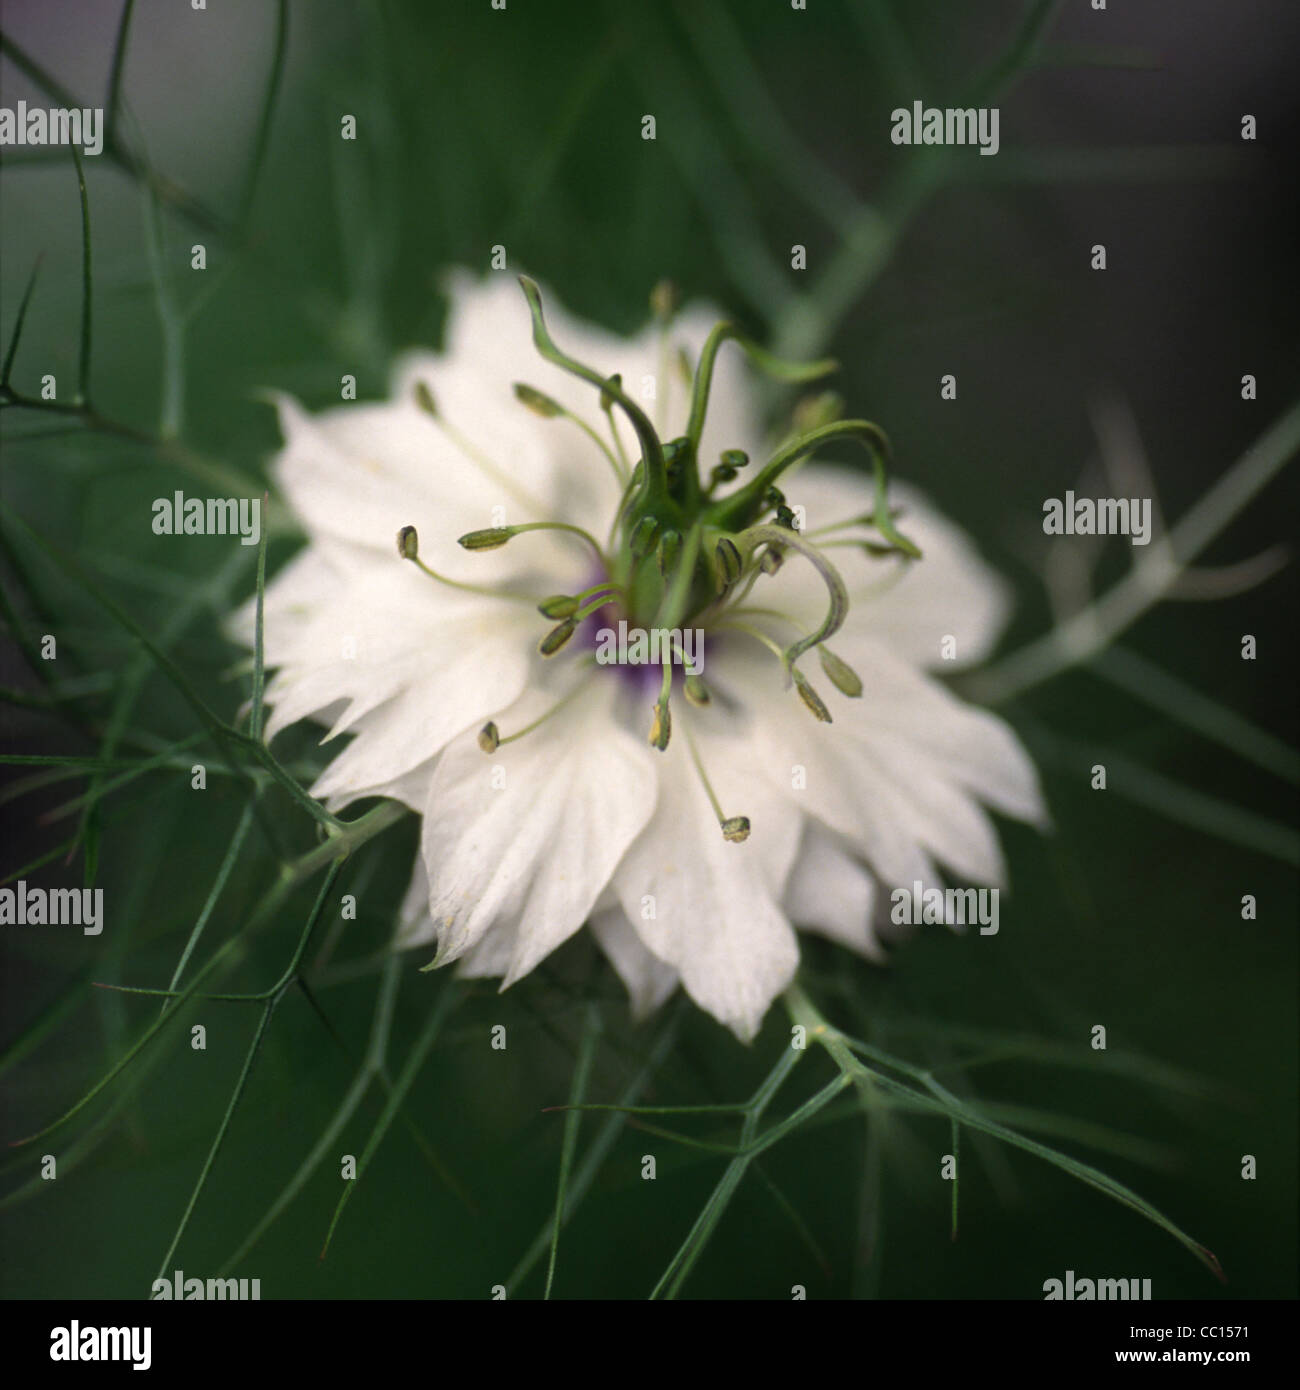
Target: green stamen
{"type": "Point", "coordinates": [549, 409]}
{"type": "Point", "coordinates": [734, 828]}
{"type": "Point", "coordinates": [494, 537]}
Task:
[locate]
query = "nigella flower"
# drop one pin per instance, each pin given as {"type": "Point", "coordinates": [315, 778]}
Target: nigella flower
{"type": "Point", "coordinates": [798, 769]}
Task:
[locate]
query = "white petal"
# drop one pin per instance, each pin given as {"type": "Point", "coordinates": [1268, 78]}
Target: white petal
{"type": "Point", "coordinates": [909, 605]}
{"type": "Point", "coordinates": [489, 957]}
{"type": "Point", "coordinates": [414, 926]}
{"type": "Point", "coordinates": [543, 843]}
{"type": "Point", "coordinates": [825, 774]}
{"type": "Point", "coordinates": [356, 474]}
{"type": "Point", "coordinates": [717, 915]}
{"type": "Point", "coordinates": [944, 818]}
{"type": "Point", "coordinates": [961, 742]}
{"type": "Point", "coordinates": [410, 787]}
{"type": "Point", "coordinates": [831, 893]}
{"type": "Point", "coordinates": [472, 671]}
{"type": "Point", "coordinates": [649, 980]}
{"type": "Point", "coordinates": [291, 599]}
{"type": "Point", "coordinates": [900, 771]}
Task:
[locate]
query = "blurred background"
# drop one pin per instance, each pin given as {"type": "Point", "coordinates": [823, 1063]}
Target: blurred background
{"type": "Point", "coordinates": [522, 128]}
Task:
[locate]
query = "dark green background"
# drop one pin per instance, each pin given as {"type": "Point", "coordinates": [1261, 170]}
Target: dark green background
{"type": "Point", "coordinates": [523, 128]}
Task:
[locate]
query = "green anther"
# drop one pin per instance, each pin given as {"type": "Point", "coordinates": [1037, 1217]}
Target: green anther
{"type": "Point", "coordinates": [606, 399]}
{"type": "Point", "coordinates": [644, 534]}
{"type": "Point", "coordinates": [663, 300]}
{"type": "Point", "coordinates": [842, 676]}
{"type": "Point", "coordinates": [408, 543]}
{"type": "Point", "coordinates": [735, 829]}
{"type": "Point", "coordinates": [684, 366]}
{"type": "Point", "coordinates": [489, 737]}
{"type": "Point", "coordinates": [537, 402]}
{"type": "Point", "coordinates": [670, 547]}
{"type": "Point", "coordinates": [733, 458]}
{"type": "Point", "coordinates": [493, 538]}
{"type": "Point", "coordinates": [774, 497]}
{"type": "Point", "coordinates": [809, 696]}
{"type": "Point", "coordinates": [723, 473]}
{"type": "Point", "coordinates": [815, 411]}
{"type": "Point", "coordinates": [729, 563]}
{"type": "Point", "coordinates": [558, 606]}
{"type": "Point", "coordinates": [424, 399]}
{"type": "Point", "coordinates": [696, 691]}
{"type": "Point", "coordinates": [772, 560]}
{"type": "Point", "coordinates": [662, 727]}
{"type": "Point", "coordinates": [557, 637]}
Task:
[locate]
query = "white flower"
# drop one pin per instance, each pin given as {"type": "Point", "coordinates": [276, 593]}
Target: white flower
{"type": "Point", "coordinates": [529, 835]}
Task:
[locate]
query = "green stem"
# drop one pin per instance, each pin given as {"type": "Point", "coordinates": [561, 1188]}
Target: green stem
{"type": "Point", "coordinates": [839, 597]}
{"type": "Point", "coordinates": [774, 366]}
{"type": "Point", "coordinates": [651, 450]}
{"type": "Point", "coordinates": [342, 842]}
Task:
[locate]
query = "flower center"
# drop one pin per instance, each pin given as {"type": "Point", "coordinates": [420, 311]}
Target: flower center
{"type": "Point", "coordinates": [685, 550]}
